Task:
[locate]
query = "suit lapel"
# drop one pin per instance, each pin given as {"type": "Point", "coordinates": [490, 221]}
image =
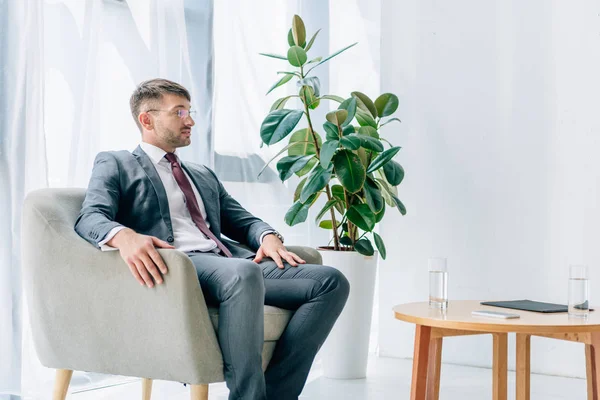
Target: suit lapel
{"type": "Point", "coordinates": [159, 188]}
{"type": "Point", "coordinates": [208, 195]}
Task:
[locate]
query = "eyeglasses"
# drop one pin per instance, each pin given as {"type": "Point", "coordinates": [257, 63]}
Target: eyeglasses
{"type": "Point", "coordinates": [183, 114]}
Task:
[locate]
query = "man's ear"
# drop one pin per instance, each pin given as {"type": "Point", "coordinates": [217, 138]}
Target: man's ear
{"type": "Point", "coordinates": [146, 121]}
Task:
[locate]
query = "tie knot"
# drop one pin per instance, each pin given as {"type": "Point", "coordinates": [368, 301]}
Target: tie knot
{"type": "Point", "coordinates": [171, 158]}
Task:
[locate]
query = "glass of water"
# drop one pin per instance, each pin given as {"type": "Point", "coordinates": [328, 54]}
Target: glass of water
{"type": "Point", "coordinates": [438, 283]}
{"type": "Point", "coordinates": [579, 292]}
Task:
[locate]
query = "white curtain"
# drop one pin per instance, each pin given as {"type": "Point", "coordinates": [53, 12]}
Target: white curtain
{"type": "Point", "coordinates": [68, 69]}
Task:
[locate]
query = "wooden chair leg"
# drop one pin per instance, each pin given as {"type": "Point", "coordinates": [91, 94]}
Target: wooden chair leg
{"type": "Point", "coordinates": [435, 367]}
{"type": "Point", "coordinates": [199, 392]}
{"type": "Point", "coordinates": [418, 387]}
{"type": "Point", "coordinates": [146, 388]}
{"type": "Point", "coordinates": [61, 383]}
{"type": "Point", "coordinates": [523, 366]}
{"type": "Point", "coordinates": [500, 366]}
{"type": "Point", "coordinates": [593, 367]}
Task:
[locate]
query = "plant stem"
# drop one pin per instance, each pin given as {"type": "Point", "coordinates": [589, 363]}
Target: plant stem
{"type": "Point", "coordinates": [336, 239]}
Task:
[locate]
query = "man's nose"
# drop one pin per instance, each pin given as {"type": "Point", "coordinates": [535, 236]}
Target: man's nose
{"type": "Point", "coordinates": [189, 121]}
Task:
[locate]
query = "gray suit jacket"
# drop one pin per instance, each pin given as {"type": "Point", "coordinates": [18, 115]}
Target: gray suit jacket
{"type": "Point", "coordinates": [125, 189]}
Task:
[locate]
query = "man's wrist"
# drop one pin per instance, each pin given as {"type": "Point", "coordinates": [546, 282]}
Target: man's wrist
{"type": "Point", "coordinates": [274, 233]}
{"type": "Point", "coordinates": [120, 237]}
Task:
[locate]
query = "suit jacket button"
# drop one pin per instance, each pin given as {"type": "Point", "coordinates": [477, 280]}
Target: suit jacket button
{"type": "Point", "coordinates": [170, 239]}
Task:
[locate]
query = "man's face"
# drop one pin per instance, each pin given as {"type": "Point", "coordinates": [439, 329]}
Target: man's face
{"type": "Point", "coordinates": [170, 129]}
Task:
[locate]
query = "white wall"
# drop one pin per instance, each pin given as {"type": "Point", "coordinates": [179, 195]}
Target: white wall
{"type": "Point", "coordinates": [500, 134]}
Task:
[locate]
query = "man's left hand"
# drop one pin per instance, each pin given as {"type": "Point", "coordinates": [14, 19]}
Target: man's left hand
{"type": "Point", "coordinates": [273, 247]}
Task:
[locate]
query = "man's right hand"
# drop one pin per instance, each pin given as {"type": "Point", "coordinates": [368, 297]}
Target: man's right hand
{"type": "Point", "coordinates": [139, 252]}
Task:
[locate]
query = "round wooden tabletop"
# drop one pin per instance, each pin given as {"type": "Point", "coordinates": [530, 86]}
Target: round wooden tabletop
{"type": "Point", "coordinates": [458, 316]}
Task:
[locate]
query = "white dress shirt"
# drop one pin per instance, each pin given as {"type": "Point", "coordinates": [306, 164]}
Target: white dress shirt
{"type": "Point", "coordinates": [187, 235]}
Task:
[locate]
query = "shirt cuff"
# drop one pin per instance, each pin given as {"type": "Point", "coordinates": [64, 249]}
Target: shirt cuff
{"type": "Point", "coordinates": [265, 233]}
{"type": "Point", "coordinates": [103, 246]}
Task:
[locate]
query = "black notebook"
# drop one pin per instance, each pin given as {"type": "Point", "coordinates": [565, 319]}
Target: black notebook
{"type": "Point", "coordinates": [529, 305]}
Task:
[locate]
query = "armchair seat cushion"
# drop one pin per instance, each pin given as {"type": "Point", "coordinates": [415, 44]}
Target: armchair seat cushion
{"type": "Point", "coordinates": [276, 319]}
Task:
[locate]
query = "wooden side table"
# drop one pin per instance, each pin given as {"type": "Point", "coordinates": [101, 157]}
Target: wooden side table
{"type": "Point", "coordinates": [433, 325]}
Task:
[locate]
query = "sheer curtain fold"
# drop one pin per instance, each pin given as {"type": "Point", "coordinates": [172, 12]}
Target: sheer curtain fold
{"type": "Point", "coordinates": [22, 166]}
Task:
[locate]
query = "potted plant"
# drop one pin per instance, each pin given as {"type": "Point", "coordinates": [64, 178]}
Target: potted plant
{"type": "Point", "coordinates": [349, 163]}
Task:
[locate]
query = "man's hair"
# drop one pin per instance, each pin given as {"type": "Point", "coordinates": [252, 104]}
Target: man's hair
{"type": "Point", "coordinates": [149, 93]}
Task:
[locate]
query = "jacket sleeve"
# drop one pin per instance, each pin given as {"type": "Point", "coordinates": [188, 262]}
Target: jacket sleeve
{"type": "Point", "coordinates": [236, 222]}
{"type": "Point", "coordinates": [97, 216]}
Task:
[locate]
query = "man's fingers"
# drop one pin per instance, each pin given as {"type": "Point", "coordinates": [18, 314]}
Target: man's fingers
{"type": "Point", "coordinates": [149, 264]}
{"type": "Point", "coordinates": [135, 273]}
{"type": "Point", "coordinates": [277, 260]}
{"type": "Point", "coordinates": [139, 265]}
{"type": "Point", "coordinates": [259, 256]}
{"type": "Point", "coordinates": [297, 258]}
{"type": "Point", "coordinates": [288, 257]}
{"type": "Point", "coordinates": [158, 261]}
{"type": "Point", "coordinates": [161, 243]}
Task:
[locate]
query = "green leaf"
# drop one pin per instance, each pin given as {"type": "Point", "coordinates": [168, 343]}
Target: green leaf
{"type": "Point", "coordinates": [365, 119]}
{"type": "Point", "coordinates": [304, 145]}
{"type": "Point", "coordinates": [337, 191]}
{"type": "Point", "coordinates": [373, 195]}
{"type": "Point", "coordinates": [327, 151]}
{"type": "Point", "coordinates": [386, 104]}
{"type": "Point", "coordinates": [289, 73]}
{"type": "Point", "coordinates": [273, 56]}
{"type": "Point", "coordinates": [299, 211]}
{"type": "Point", "coordinates": [318, 178]}
{"type": "Point", "coordinates": [388, 121]}
{"type": "Point", "coordinates": [380, 245]}
{"type": "Point", "coordinates": [382, 159]}
{"type": "Point", "coordinates": [311, 41]}
{"type": "Point", "coordinates": [400, 205]}
{"type": "Point", "coordinates": [351, 141]}
{"type": "Point", "coordinates": [290, 38]}
{"type": "Point", "coordinates": [390, 196]}
{"type": "Point", "coordinates": [299, 189]}
{"type": "Point", "coordinates": [364, 158]}
{"type": "Point", "coordinates": [368, 131]}
{"type": "Point", "coordinates": [348, 129]}
{"type": "Point", "coordinates": [327, 224]}
{"type": "Point", "coordinates": [287, 166]}
{"type": "Point", "coordinates": [394, 173]}
{"type": "Point", "coordinates": [330, 57]}
{"type": "Point", "coordinates": [296, 56]}
{"type": "Point", "coordinates": [346, 241]}
{"type": "Point", "coordinates": [314, 60]}
{"type": "Point", "coordinates": [284, 79]}
{"type": "Point", "coordinates": [364, 247]}
{"type": "Point", "coordinates": [278, 124]}
{"type": "Point", "coordinates": [370, 143]}
{"type": "Point", "coordinates": [298, 31]}
{"type": "Point", "coordinates": [308, 97]}
{"type": "Point", "coordinates": [349, 170]}
{"type": "Point", "coordinates": [332, 97]}
{"type": "Point", "coordinates": [380, 214]}
{"type": "Point", "coordinates": [337, 117]}
{"type": "Point", "coordinates": [280, 103]}
{"type": "Point", "coordinates": [365, 103]}
{"type": "Point", "coordinates": [326, 208]}
{"type": "Point", "coordinates": [350, 106]}
{"type": "Point", "coordinates": [331, 131]}
{"type": "Point", "coordinates": [313, 82]}
{"type": "Point", "coordinates": [361, 216]}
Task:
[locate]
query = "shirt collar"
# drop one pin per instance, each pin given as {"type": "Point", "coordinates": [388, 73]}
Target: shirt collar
{"type": "Point", "coordinates": [156, 154]}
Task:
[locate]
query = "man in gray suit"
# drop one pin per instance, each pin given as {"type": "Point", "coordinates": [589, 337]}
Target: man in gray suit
{"type": "Point", "coordinates": [139, 201]}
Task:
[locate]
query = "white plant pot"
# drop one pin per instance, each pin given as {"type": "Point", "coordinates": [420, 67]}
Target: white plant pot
{"type": "Point", "coordinates": [346, 349]}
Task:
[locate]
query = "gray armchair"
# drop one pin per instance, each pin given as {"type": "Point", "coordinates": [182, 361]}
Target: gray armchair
{"type": "Point", "coordinates": [88, 313]}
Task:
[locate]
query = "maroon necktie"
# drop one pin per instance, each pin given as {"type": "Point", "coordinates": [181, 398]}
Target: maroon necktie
{"type": "Point", "coordinates": [191, 203]}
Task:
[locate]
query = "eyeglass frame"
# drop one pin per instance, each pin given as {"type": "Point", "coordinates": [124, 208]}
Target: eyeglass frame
{"type": "Point", "coordinates": [189, 113]}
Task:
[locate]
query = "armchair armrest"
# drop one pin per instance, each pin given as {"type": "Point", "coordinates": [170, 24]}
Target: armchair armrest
{"type": "Point", "coordinates": [88, 313]}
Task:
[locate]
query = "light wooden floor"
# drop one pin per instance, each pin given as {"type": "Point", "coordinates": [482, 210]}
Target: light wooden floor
{"type": "Point", "coordinates": [388, 379]}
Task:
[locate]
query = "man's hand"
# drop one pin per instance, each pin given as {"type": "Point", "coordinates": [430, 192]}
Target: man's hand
{"type": "Point", "coordinates": [139, 252]}
{"type": "Point", "coordinates": [273, 248]}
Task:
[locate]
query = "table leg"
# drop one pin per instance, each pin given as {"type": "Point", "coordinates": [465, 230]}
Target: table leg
{"type": "Point", "coordinates": [523, 366]}
{"type": "Point", "coordinates": [593, 367]}
{"type": "Point", "coordinates": [500, 366]}
{"type": "Point", "coordinates": [418, 386]}
{"type": "Point", "coordinates": [435, 366]}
